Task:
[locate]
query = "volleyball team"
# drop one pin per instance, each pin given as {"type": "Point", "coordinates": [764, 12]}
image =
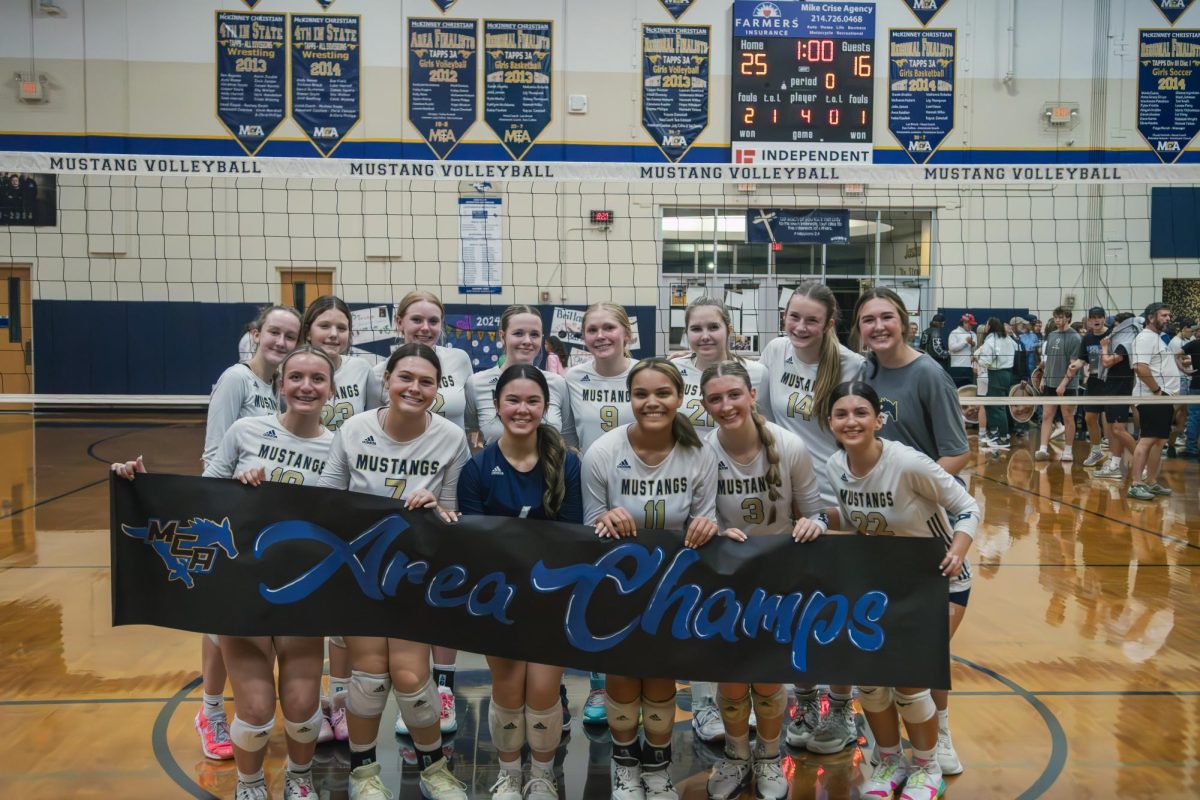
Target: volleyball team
{"type": "Point", "coordinates": [803, 442]}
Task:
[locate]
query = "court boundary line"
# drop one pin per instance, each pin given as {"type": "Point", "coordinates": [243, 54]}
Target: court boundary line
{"type": "Point", "coordinates": [162, 750]}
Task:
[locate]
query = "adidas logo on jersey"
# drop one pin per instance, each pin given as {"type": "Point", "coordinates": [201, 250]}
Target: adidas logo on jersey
{"type": "Point", "coordinates": [624, 464]}
{"type": "Point", "coordinates": [788, 360]}
{"type": "Point", "coordinates": [369, 440]}
{"type": "Point", "coordinates": [270, 434]}
{"type": "Point", "coordinates": [585, 379]}
{"type": "Point", "coordinates": [845, 477]}
{"type": "Point", "coordinates": [511, 726]}
{"type": "Point", "coordinates": [495, 379]}
{"type": "Point", "coordinates": [497, 471]}
{"type": "Point", "coordinates": [722, 465]}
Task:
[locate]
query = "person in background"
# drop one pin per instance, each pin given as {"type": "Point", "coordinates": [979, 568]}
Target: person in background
{"type": "Point", "coordinates": [931, 342]}
{"type": "Point", "coordinates": [1117, 375]}
{"type": "Point", "coordinates": [246, 345]}
{"type": "Point", "coordinates": [1031, 338]}
{"type": "Point", "coordinates": [1185, 331]}
{"type": "Point", "coordinates": [1156, 377]}
{"type": "Point", "coordinates": [1021, 371]}
{"type": "Point", "coordinates": [1190, 364]}
{"type": "Point", "coordinates": [1089, 358]}
{"type": "Point", "coordinates": [556, 356]}
{"type": "Point", "coordinates": [1061, 380]}
{"type": "Point", "coordinates": [962, 349]}
{"type": "Point", "coordinates": [914, 335]}
{"type": "Point", "coordinates": [997, 356]}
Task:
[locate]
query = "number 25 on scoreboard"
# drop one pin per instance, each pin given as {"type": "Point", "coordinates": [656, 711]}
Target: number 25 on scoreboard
{"type": "Point", "coordinates": [753, 64]}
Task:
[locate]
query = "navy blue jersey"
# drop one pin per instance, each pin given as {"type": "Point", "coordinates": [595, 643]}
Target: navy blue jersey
{"type": "Point", "coordinates": [490, 485]}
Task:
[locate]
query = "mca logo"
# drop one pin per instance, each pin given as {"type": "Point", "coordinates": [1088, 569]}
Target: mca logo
{"type": "Point", "coordinates": [1169, 147]}
{"type": "Point", "coordinates": [517, 135]}
{"type": "Point", "coordinates": [186, 549]}
{"type": "Point", "coordinates": [890, 409]}
{"type": "Point", "coordinates": [251, 130]}
{"type": "Point", "coordinates": [325, 133]}
{"type": "Point", "coordinates": [674, 140]}
{"type": "Point", "coordinates": [920, 146]}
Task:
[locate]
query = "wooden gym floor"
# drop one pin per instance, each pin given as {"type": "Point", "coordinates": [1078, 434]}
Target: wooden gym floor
{"type": "Point", "coordinates": [1076, 671]}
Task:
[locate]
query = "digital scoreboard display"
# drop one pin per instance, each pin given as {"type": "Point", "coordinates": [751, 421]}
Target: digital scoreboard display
{"type": "Point", "coordinates": [803, 82]}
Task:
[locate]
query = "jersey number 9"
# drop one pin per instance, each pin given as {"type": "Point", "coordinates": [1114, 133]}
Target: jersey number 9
{"type": "Point", "coordinates": [609, 418]}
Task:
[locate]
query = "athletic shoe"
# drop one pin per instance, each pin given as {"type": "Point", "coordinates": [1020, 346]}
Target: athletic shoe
{"type": "Point", "coordinates": [507, 786]}
{"type": "Point", "coordinates": [214, 736]}
{"type": "Point", "coordinates": [1159, 490]}
{"type": "Point", "coordinates": [627, 782]}
{"type": "Point", "coordinates": [1095, 457]}
{"type": "Point", "coordinates": [401, 726]}
{"type": "Point", "coordinates": [1041, 454]}
{"type": "Point", "coordinates": [706, 722]}
{"type": "Point", "coordinates": [448, 717]}
{"type": "Point", "coordinates": [729, 778]}
{"type": "Point", "coordinates": [1109, 471]}
{"type": "Point", "coordinates": [1003, 443]}
{"type": "Point", "coordinates": [365, 784]}
{"type": "Point", "coordinates": [298, 787]}
{"type": "Point", "coordinates": [251, 791]}
{"type": "Point", "coordinates": [341, 729]}
{"type": "Point", "coordinates": [923, 784]}
{"type": "Point", "coordinates": [835, 730]}
{"type": "Point", "coordinates": [439, 783]}
{"type": "Point", "coordinates": [1058, 431]}
{"type": "Point", "coordinates": [566, 712]}
{"type": "Point", "coordinates": [541, 786]}
{"type": "Point", "coordinates": [808, 716]}
{"type": "Point", "coordinates": [885, 779]}
{"type": "Point", "coordinates": [1067, 455]}
{"type": "Point", "coordinates": [595, 708]}
{"type": "Point", "coordinates": [656, 783]}
{"type": "Point", "coordinates": [1181, 441]}
{"type": "Point", "coordinates": [1140, 491]}
{"type": "Point", "coordinates": [326, 734]}
{"type": "Point", "coordinates": [985, 443]}
{"type": "Point", "coordinates": [947, 758]}
{"type": "Point", "coordinates": [769, 781]}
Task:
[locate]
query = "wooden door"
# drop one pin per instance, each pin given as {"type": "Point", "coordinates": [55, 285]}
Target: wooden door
{"type": "Point", "coordinates": [299, 287]}
{"type": "Point", "coordinates": [16, 331]}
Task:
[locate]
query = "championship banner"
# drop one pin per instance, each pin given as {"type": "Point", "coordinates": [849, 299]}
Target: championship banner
{"type": "Point", "coordinates": [1172, 9]}
{"type": "Point", "coordinates": [677, 8]}
{"type": "Point", "coordinates": [518, 72]}
{"type": "Point", "coordinates": [798, 226]}
{"type": "Point", "coordinates": [444, 5]}
{"type": "Point", "coordinates": [925, 10]}
{"type": "Point", "coordinates": [326, 70]}
{"type": "Point", "coordinates": [675, 62]}
{"type": "Point", "coordinates": [215, 556]}
{"type": "Point", "coordinates": [251, 76]}
{"type": "Point", "coordinates": [1168, 90]}
{"type": "Point", "coordinates": [921, 89]}
{"type": "Point", "coordinates": [442, 80]}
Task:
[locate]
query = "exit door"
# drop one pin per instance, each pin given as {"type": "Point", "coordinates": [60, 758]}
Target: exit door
{"type": "Point", "coordinates": [16, 331]}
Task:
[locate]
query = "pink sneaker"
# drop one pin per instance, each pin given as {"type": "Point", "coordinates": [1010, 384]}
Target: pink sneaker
{"type": "Point", "coordinates": [326, 734]}
{"type": "Point", "coordinates": [341, 731]}
{"type": "Point", "coordinates": [214, 736]}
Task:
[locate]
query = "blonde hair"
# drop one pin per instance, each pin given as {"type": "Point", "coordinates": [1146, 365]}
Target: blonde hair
{"type": "Point", "coordinates": [512, 311]}
{"type": "Point", "coordinates": [726, 319]}
{"type": "Point", "coordinates": [736, 369]}
{"type": "Point", "coordinates": [829, 367]}
{"type": "Point", "coordinates": [681, 427]}
{"type": "Point", "coordinates": [417, 297]}
{"type": "Point", "coordinates": [309, 350]}
{"type": "Point", "coordinates": [621, 316]}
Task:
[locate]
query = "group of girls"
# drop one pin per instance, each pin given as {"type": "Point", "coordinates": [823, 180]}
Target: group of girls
{"type": "Point", "coordinates": [683, 445]}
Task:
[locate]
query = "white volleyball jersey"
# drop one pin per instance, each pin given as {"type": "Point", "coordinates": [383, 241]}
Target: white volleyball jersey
{"type": "Point", "coordinates": [355, 392]}
{"type": "Point", "coordinates": [238, 393]}
{"type": "Point", "coordinates": [254, 442]}
{"type": "Point", "coordinates": [744, 497]}
{"type": "Point", "coordinates": [665, 497]}
{"type": "Point", "coordinates": [481, 405]}
{"type": "Point", "coordinates": [451, 401]}
{"type": "Point", "coordinates": [788, 392]}
{"type": "Point", "coordinates": [906, 494]}
{"type": "Point", "coordinates": [365, 459]}
{"type": "Point", "coordinates": [597, 404]}
{"type": "Point", "coordinates": [693, 405]}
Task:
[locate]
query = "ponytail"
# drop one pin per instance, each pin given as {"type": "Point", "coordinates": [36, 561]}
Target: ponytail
{"type": "Point", "coordinates": [684, 433]}
{"type": "Point", "coordinates": [767, 439]}
{"type": "Point", "coordinates": [829, 375]}
{"type": "Point", "coordinates": [552, 453]}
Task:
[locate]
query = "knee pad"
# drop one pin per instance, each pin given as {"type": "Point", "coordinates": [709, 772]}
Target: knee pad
{"type": "Point", "coordinates": [916, 708]}
{"type": "Point", "coordinates": [421, 708]}
{"type": "Point", "coordinates": [368, 694]}
{"type": "Point", "coordinates": [875, 699]}
{"type": "Point", "coordinates": [337, 641]}
{"type": "Point", "coordinates": [770, 706]}
{"type": "Point", "coordinates": [658, 717]}
{"type": "Point", "coordinates": [250, 738]}
{"type": "Point", "coordinates": [306, 731]}
{"type": "Point", "coordinates": [622, 715]}
{"type": "Point", "coordinates": [507, 726]}
{"type": "Point", "coordinates": [544, 728]}
{"type": "Point", "coordinates": [732, 710]}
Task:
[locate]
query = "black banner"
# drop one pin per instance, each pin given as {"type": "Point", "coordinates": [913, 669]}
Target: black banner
{"type": "Point", "coordinates": [251, 76]}
{"type": "Point", "coordinates": [216, 556]}
{"type": "Point", "coordinates": [798, 226]}
{"type": "Point", "coordinates": [326, 61]}
{"type": "Point", "coordinates": [925, 10]}
{"type": "Point", "coordinates": [442, 80]}
{"type": "Point", "coordinates": [1172, 9]}
{"type": "Point", "coordinates": [1168, 90]}
{"type": "Point", "coordinates": [677, 8]}
{"type": "Point", "coordinates": [28, 199]}
{"type": "Point", "coordinates": [921, 89]}
{"type": "Point", "coordinates": [675, 61]}
{"type": "Point", "coordinates": [518, 71]}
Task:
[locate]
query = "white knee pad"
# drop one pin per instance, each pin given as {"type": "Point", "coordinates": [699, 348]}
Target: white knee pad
{"type": "Point", "coordinates": [770, 706]}
{"type": "Point", "coordinates": [737, 711]}
{"type": "Point", "coordinates": [916, 708]}
{"type": "Point", "coordinates": [875, 699]}
{"type": "Point", "coordinates": [658, 717]}
{"type": "Point", "coordinates": [622, 715]}
{"type": "Point", "coordinates": [368, 693]}
{"type": "Point", "coordinates": [306, 731]}
{"type": "Point", "coordinates": [544, 728]}
{"type": "Point", "coordinates": [421, 708]}
{"type": "Point", "coordinates": [338, 641]}
{"type": "Point", "coordinates": [250, 738]}
{"type": "Point", "coordinates": [507, 726]}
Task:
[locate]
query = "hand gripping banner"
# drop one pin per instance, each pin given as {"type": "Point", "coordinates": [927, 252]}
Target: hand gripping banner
{"type": "Point", "coordinates": [215, 556]}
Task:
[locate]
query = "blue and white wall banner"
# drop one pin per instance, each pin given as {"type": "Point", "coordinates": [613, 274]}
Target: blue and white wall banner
{"type": "Point", "coordinates": [326, 76]}
{"type": "Point", "coordinates": [675, 83]}
{"type": "Point", "coordinates": [1172, 9]}
{"type": "Point", "coordinates": [324, 4]}
{"type": "Point", "coordinates": [925, 10]}
{"type": "Point", "coordinates": [1168, 109]}
{"type": "Point", "coordinates": [443, 84]}
{"type": "Point", "coordinates": [251, 75]}
{"type": "Point", "coordinates": [444, 5]}
{"type": "Point", "coordinates": [480, 246]}
{"type": "Point", "coordinates": [677, 8]}
{"type": "Point", "coordinates": [798, 226]}
{"type": "Point", "coordinates": [518, 72]}
{"type": "Point", "coordinates": [251, 3]}
{"type": "Point", "coordinates": [921, 89]}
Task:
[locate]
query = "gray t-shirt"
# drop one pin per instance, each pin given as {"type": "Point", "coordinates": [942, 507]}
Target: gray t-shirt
{"type": "Point", "coordinates": [921, 406]}
{"type": "Point", "coordinates": [1060, 349]}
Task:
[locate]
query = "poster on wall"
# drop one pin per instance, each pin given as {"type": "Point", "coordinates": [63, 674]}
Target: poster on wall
{"type": "Point", "coordinates": [797, 226]}
{"type": "Point", "coordinates": [251, 76]}
{"type": "Point", "coordinates": [1168, 109]}
{"type": "Point", "coordinates": [921, 89]}
{"type": "Point", "coordinates": [326, 60]}
{"type": "Point", "coordinates": [480, 248]}
{"type": "Point", "coordinates": [1172, 9]}
{"type": "Point", "coordinates": [925, 10]}
{"type": "Point", "coordinates": [28, 199]}
{"type": "Point", "coordinates": [675, 61]}
{"type": "Point", "coordinates": [442, 80]}
{"type": "Point", "coordinates": [677, 8]}
{"type": "Point", "coordinates": [518, 70]}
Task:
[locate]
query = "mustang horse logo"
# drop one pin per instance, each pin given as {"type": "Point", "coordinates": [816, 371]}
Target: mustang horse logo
{"type": "Point", "coordinates": [186, 549]}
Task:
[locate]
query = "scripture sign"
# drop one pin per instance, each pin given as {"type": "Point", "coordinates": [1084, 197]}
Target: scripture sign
{"type": "Point", "coordinates": [798, 226]}
{"type": "Point", "coordinates": [216, 556]}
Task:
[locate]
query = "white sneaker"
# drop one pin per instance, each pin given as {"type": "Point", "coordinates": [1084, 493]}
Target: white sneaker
{"type": "Point", "coordinates": [1058, 431]}
{"type": "Point", "coordinates": [298, 787]}
{"type": "Point", "coordinates": [656, 783]}
{"type": "Point", "coordinates": [769, 781]}
{"type": "Point", "coordinates": [541, 786]}
{"type": "Point", "coordinates": [365, 784]}
{"type": "Point", "coordinates": [1095, 457]}
{"type": "Point", "coordinates": [887, 777]}
{"type": "Point", "coordinates": [730, 777]}
{"type": "Point", "coordinates": [507, 786]}
{"type": "Point", "coordinates": [924, 783]}
{"type": "Point", "coordinates": [439, 783]}
{"type": "Point", "coordinates": [1067, 455]}
{"type": "Point", "coordinates": [626, 782]}
{"type": "Point", "coordinates": [835, 730]}
{"type": "Point", "coordinates": [947, 758]}
{"type": "Point", "coordinates": [706, 722]}
{"type": "Point", "coordinates": [1041, 454]}
{"type": "Point", "coordinates": [251, 791]}
{"type": "Point", "coordinates": [808, 716]}
{"type": "Point", "coordinates": [448, 717]}
{"type": "Point", "coordinates": [1109, 470]}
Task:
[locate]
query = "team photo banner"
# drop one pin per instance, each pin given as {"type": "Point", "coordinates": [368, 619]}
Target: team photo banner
{"type": "Point", "coordinates": [215, 556]}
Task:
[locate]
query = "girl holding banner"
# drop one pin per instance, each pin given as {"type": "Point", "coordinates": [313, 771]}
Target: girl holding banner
{"type": "Point", "coordinates": [527, 473]}
{"type": "Point", "coordinates": [651, 473]}
{"type": "Point", "coordinates": [405, 452]}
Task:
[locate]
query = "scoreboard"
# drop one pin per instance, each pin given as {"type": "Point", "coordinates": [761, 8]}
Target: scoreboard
{"type": "Point", "coordinates": [803, 81]}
